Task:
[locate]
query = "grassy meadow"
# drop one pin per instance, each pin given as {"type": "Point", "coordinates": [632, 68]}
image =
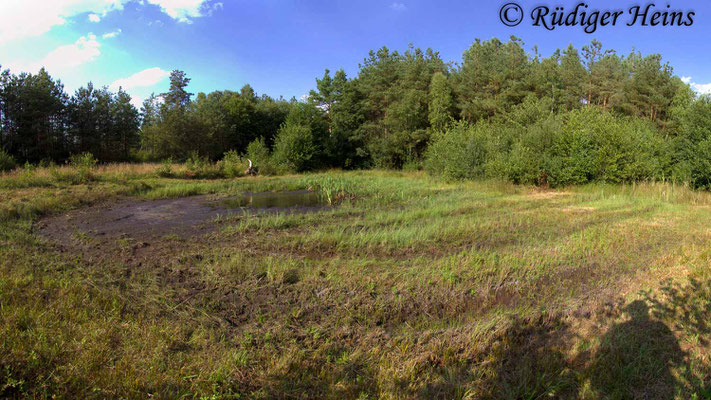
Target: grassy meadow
{"type": "Point", "coordinates": [406, 287]}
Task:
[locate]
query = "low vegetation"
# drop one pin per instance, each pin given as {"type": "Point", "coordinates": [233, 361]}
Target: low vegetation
{"type": "Point", "coordinates": [405, 288]}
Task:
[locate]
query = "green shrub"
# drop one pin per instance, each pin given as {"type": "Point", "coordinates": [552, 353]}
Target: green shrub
{"type": "Point", "coordinates": [83, 160]}
{"type": "Point", "coordinates": [699, 168]}
{"type": "Point", "coordinates": [7, 162]}
{"type": "Point", "coordinates": [593, 145]}
{"type": "Point", "coordinates": [458, 153]}
{"type": "Point", "coordinates": [294, 149]}
{"type": "Point", "coordinates": [258, 152]}
{"type": "Point", "coordinates": [573, 148]}
{"type": "Point", "coordinates": [166, 168]}
{"type": "Point", "coordinates": [83, 163]}
{"type": "Point", "coordinates": [232, 164]}
{"type": "Point", "coordinates": [201, 167]}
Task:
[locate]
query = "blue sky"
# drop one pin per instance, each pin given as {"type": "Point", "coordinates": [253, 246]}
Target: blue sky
{"type": "Point", "coordinates": [281, 46]}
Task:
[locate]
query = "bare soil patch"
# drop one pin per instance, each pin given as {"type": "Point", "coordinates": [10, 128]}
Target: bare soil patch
{"type": "Point", "coordinates": [153, 219]}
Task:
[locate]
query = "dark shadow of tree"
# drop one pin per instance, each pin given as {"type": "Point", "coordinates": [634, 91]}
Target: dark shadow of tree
{"type": "Point", "coordinates": [530, 360]}
{"type": "Point", "coordinates": [635, 358]}
{"type": "Point", "coordinates": [687, 308]}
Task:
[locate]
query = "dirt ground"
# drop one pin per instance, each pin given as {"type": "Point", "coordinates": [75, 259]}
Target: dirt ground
{"type": "Point", "coordinates": [148, 220]}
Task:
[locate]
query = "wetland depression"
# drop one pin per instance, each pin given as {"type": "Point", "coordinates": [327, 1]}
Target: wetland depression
{"type": "Point", "coordinates": [185, 216]}
{"type": "Point", "coordinates": [295, 199]}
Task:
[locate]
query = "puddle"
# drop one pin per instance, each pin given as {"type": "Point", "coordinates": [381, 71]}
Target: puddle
{"type": "Point", "coordinates": [280, 200]}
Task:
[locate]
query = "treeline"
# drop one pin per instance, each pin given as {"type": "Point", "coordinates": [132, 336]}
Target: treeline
{"type": "Point", "coordinates": [40, 122]}
{"type": "Point", "coordinates": [401, 110]}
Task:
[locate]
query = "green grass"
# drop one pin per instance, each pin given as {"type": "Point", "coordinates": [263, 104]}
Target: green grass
{"type": "Point", "coordinates": [408, 288]}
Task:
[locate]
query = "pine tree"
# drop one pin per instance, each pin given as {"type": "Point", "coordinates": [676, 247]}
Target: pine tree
{"type": "Point", "coordinates": [441, 103]}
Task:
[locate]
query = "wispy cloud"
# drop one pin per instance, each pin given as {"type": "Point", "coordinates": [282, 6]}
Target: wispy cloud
{"type": "Point", "coordinates": [703, 88]}
{"type": "Point", "coordinates": [398, 6]}
{"type": "Point", "coordinates": [84, 50]}
{"type": "Point", "coordinates": [112, 34]}
{"type": "Point", "coordinates": [147, 77]}
{"type": "Point", "coordinates": [140, 83]}
{"type": "Point", "coordinates": [20, 19]}
{"type": "Point", "coordinates": [185, 10]}
{"type": "Point", "coordinates": [64, 58]}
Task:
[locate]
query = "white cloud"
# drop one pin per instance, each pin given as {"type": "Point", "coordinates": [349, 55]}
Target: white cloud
{"type": "Point", "coordinates": [64, 58]}
{"type": "Point", "coordinates": [398, 6]}
{"type": "Point", "coordinates": [21, 19]}
{"type": "Point", "coordinates": [111, 34]}
{"type": "Point", "coordinates": [147, 77]}
{"type": "Point", "coordinates": [84, 50]}
{"type": "Point", "coordinates": [184, 10]}
{"type": "Point", "coordinates": [138, 84]}
{"type": "Point", "coordinates": [701, 88]}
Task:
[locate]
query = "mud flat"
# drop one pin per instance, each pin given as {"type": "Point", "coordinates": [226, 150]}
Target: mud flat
{"type": "Point", "coordinates": [184, 217]}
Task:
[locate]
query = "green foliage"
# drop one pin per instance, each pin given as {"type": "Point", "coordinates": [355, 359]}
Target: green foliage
{"type": "Point", "coordinates": [295, 149]}
{"type": "Point", "coordinates": [441, 103]}
{"type": "Point", "coordinates": [258, 152]}
{"type": "Point", "coordinates": [458, 153]}
{"type": "Point", "coordinates": [84, 164]}
{"type": "Point", "coordinates": [201, 167]}
{"type": "Point", "coordinates": [165, 170]}
{"type": "Point", "coordinates": [700, 166]}
{"type": "Point", "coordinates": [7, 162]}
{"type": "Point", "coordinates": [85, 161]}
{"type": "Point", "coordinates": [232, 164]}
{"type": "Point", "coordinates": [573, 117]}
{"type": "Point", "coordinates": [586, 145]}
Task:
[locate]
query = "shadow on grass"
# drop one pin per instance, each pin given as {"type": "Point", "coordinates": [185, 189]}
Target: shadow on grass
{"type": "Point", "coordinates": [637, 358]}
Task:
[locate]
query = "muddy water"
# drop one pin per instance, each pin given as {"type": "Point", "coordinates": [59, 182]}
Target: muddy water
{"type": "Point", "coordinates": [144, 219]}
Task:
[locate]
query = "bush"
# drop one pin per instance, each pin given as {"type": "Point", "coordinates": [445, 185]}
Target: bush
{"type": "Point", "coordinates": [84, 163]}
{"type": "Point", "coordinates": [294, 149]}
{"type": "Point", "coordinates": [700, 166]}
{"type": "Point", "coordinates": [578, 147]}
{"type": "Point", "coordinates": [594, 145]}
{"type": "Point", "coordinates": [200, 167]}
{"type": "Point", "coordinates": [258, 152]}
{"type": "Point", "coordinates": [232, 164]}
{"type": "Point", "coordinates": [458, 153]}
{"type": "Point", "coordinates": [7, 162]}
{"type": "Point", "coordinates": [166, 169]}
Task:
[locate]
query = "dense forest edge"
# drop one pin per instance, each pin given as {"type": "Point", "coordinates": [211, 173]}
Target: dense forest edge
{"type": "Point", "coordinates": [576, 116]}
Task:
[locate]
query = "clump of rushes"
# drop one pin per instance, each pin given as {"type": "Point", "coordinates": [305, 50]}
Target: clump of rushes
{"type": "Point", "coordinates": [334, 190]}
